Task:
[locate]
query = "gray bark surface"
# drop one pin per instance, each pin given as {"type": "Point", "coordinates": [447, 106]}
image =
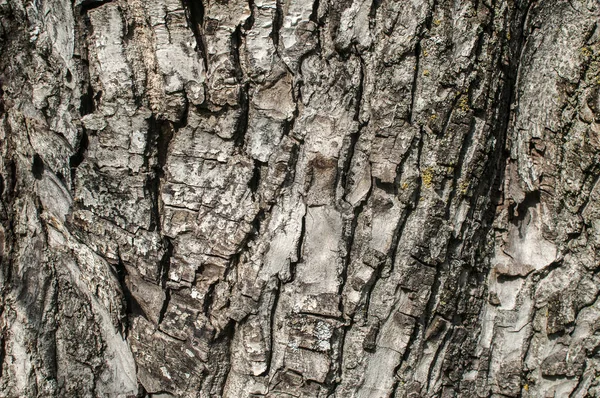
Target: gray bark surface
{"type": "Point", "coordinates": [299, 198]}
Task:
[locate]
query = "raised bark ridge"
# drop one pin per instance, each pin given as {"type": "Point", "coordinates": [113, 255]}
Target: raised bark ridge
{"type": "Point", "coordinates": [300, 198]}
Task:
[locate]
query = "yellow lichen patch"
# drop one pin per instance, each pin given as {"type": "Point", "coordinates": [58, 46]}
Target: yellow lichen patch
{"type": "Point", "coordinates": [463, 187]}
{"type": "Point", "coordinates": [404, 185]}
{"type": "Point", "coordinates": [526, 387]}
{"type": "Point", "coordinates": [433, 117]}
{"type": "Point", "coordinates": [425, 53]}
{"type": "Point", "coordinates": [507, 35]}
{"type": "Point", "coordinates": [426, 72]}
{"type": "Point", "coordinates": [427, 177]}
{"type": "Point", "coordinates": [437, 22]}
{"type": "Point", "coordinates": [586, 52]}
{"type": "Point", "coordinates": [463, 104]}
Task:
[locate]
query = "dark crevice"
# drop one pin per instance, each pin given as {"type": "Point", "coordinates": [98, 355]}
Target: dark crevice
{"type": "Point", "coordinates": [160, 134]}
{"type": "Point", "coordinates": [254, 182]}
{"type": "Point", "coordinates": [164, 267]}
{"type": "Point", "coordinates": [98, 97]}
{"type": "Point", "coordinates": [517, 212]}
{"type": "Point", "coordinates": [249, 22]}
{"type": "Point", "coordinates": [2, 108]}
{"type": "Point", "coordinates": [208, 299]}
{"type": "Point", "coordinates": [429, 313]}
{"type": "Point", "coordinates": [130, 304]}
{"type": "Point", "coordinates": [236, 42]}
{"type": "Point", "coordinates": [314, 15]}
{"type": "Point", "coordinates": [165, 135]}
{"type": "Point", "coordinates": [291, 166]}
{"type": "Point", "coordinates": [61, 178]}
{"type": "Point", "coordinates": [242, 122]}
{"type": "Point", "coordinates": [87, 5]}
{"type": "Point", "coordinates": [375, 4]}
{"type": "Point", "coordinates": [429, 17]}
{"type": "Point", "coordinates": [437, 354]}
{"type": "Point", "coordinates": [388, 187]}
{"type": "Point", "coordinates": [354, 136]}
{"type": "Point", "coordinates": [224, 339]}
{"type": "Point", "coordinates": [277, 23]}
{"type": "Point", "coordinates": [78, 157]}
{"type": "Point", "coordinates": [165, 262]}
{"type": "Point", "coordinates": [419, 153]}
{"type": "Point", "coordinates": [413, 89]}
{"type": "Point", "coordinates": [37, 167]}
{"type": "Point", "coordinates": [86, 101]}
{"type": "Point", "coordinates": [142, 393]}
{"type": "Point", "coordinates": [348, 161]}
{"type": "Point", "coordinates": [458, 169]}
{"type": "Point", "coordinates": [2, 354]}
{"type": "Point", "coordinates": [299, 247]}
{"type": "Point", "coordinates": [12, 178]}
{"type": "Point", "coordinates": [194, 12]}
{"type": "Point", "coordinates": [165, 305]}
{"type": "Point", "coordinates": [350, 243]}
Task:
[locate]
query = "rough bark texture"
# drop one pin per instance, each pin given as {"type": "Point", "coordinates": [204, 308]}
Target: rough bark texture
{"type": "Point", "coordinates": [300, 198]}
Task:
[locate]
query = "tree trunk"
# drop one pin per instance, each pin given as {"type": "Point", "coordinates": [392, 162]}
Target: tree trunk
{"type": "Point", "coordinates": [300, 198]}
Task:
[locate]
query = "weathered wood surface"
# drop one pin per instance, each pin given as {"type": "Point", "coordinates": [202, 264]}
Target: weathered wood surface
{"type": "Point", "coordinates": [298, 198]}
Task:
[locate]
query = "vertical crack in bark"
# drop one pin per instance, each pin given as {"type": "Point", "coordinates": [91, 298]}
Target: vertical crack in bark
{"type": "Point", "coordinates": [375, 4]}
{"type": "Point", "coordinates": [299, 248]}
{"type": "Point", "coordinates": [438, 352]}
{"type": "Point", "coordinates": [164, 267]}
{"type": "Point", "coordinates": [413, 337]}
{"type": "Point", "coordinates": [354, 136]}
{"type": "Point", "coordinates": [254, 182]}
{"type": "Point", "coordinates": [458, 168]}
{"type": "Point", "coordinates": [242, 122]}
{"type": "Point", "coordinates": [130, 304]}
{"type": "Point", "coordinates": [163, 309]}
{"type": "Point", "coordinates": [160, 134]}
{"type": "Point", "coordinates": [194, 12]}
{"type": "Point", "coordinates": [277, 24]}
{"type": "Point", "coordinates": [249, 23]}
{"type": "Point", "coordinates": [314, 15]}
{"type": "Point", "coordinates": [2, 348]}
{"type": "Point", "coordinates": [79, 156]}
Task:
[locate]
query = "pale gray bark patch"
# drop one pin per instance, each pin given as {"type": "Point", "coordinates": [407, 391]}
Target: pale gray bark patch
{"type": "Point", "coordinates": [302, 198]}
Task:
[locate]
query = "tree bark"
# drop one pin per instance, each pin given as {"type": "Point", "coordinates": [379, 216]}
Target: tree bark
{"type": "Point", "coordinates": [300, 198]}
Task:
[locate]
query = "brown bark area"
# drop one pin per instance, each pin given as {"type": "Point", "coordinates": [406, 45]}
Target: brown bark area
{"type": "Point", "coordinates": [299, 198]}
